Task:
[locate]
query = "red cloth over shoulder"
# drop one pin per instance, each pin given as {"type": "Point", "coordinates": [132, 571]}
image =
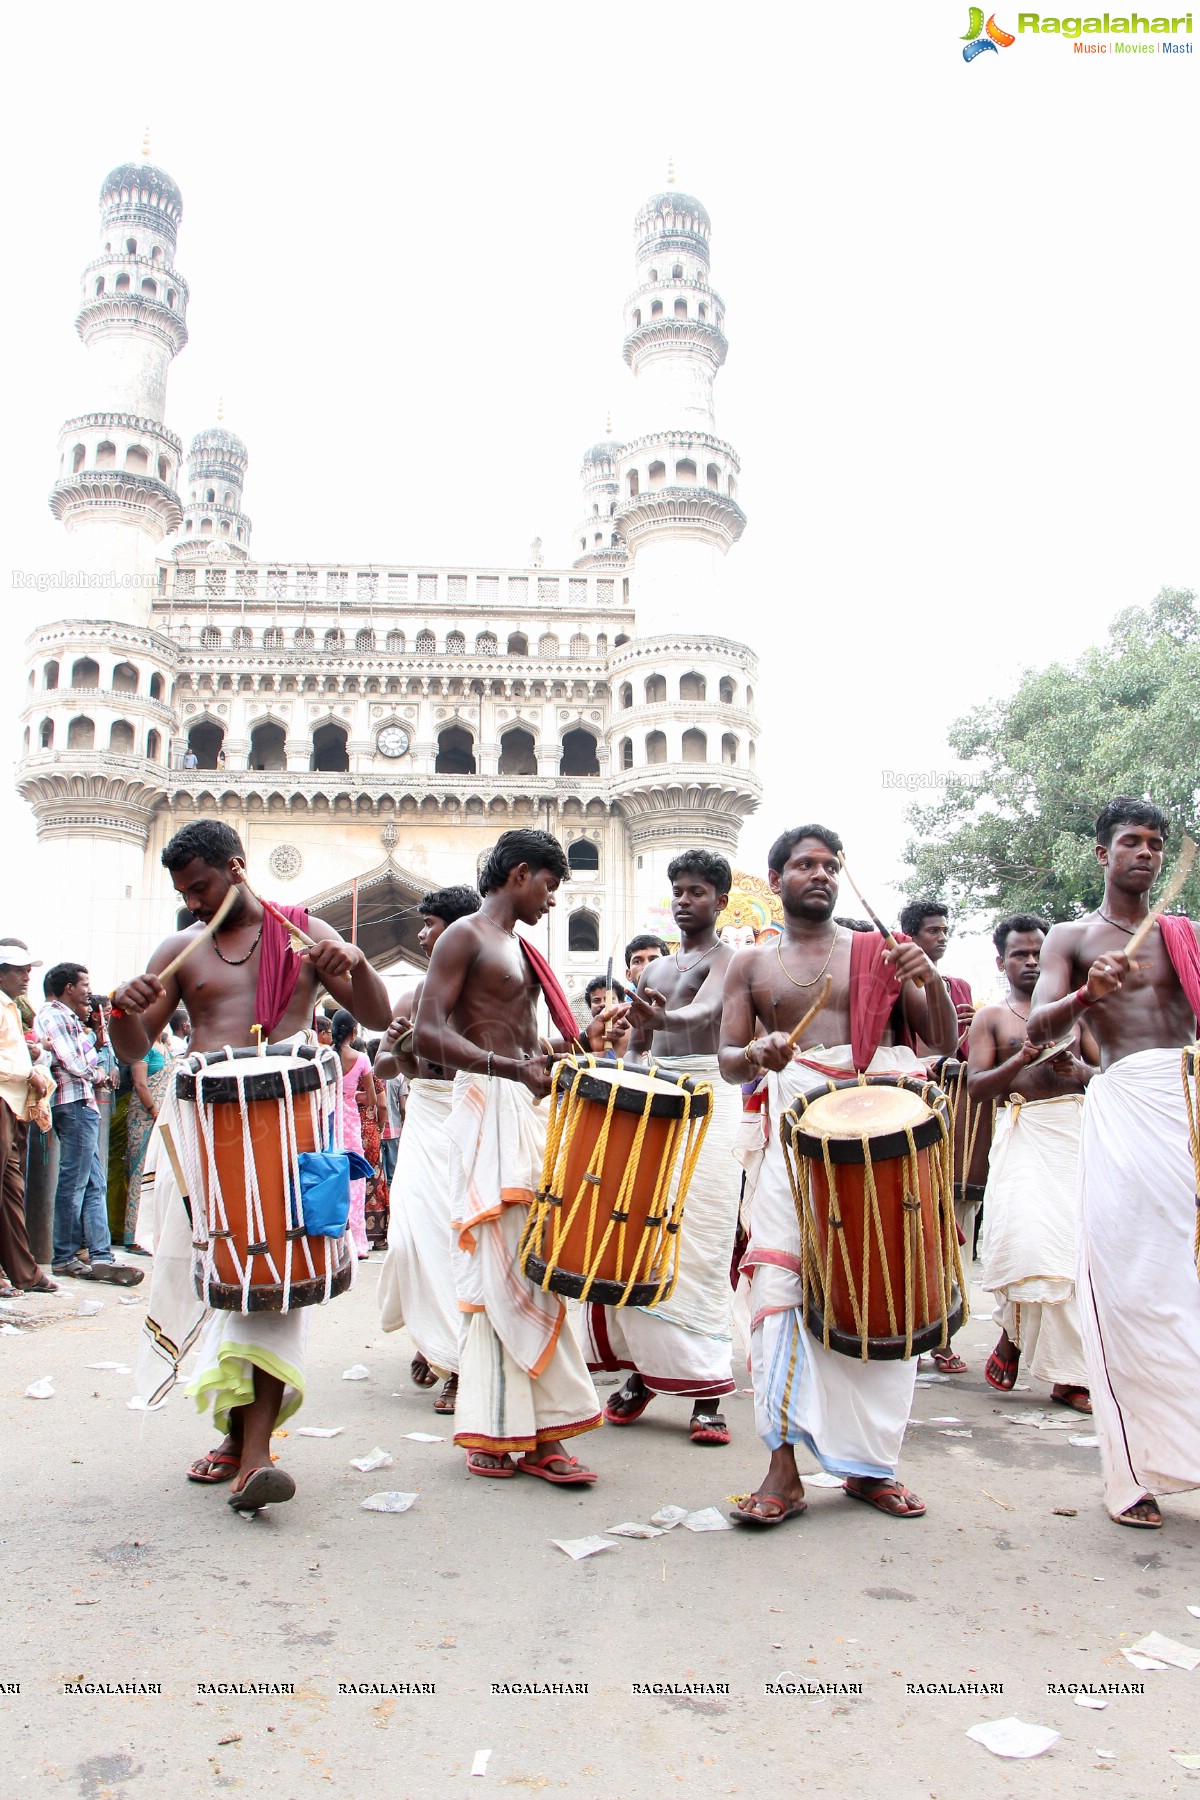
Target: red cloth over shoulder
{"type": "Point", "coordinates": [874, 991]}
{"type": "Point", "coordinates": [1179, 936]}
{"type": "Point", "coordinates": [278, 967]}
{"type": "Point", "coordinates": [557, 1004]}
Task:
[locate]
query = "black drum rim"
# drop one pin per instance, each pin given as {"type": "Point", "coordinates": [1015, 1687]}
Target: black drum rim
{"type": "Point", "coordinates": [887, 1349]}
{"type": "Point", "coordinates": [884, 1148]}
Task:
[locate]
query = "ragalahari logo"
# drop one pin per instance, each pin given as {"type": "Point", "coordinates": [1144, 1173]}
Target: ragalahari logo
{"type": "Point", "coordinates": [981, 37]}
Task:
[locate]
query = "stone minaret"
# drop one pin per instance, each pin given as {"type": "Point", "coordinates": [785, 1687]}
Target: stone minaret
{"type": "Point", "coordinates": [214, 526]}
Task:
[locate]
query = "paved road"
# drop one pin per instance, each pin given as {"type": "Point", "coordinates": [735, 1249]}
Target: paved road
{"type": "Point", "coordinates": [117, 1571]}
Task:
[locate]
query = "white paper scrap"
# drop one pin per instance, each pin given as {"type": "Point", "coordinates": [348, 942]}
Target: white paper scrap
{"type": "Point", "coordinates": [377, 1458]}
{"type": "Point", "coordinates": [669, 1517]}
{"type": "Point", "coordinates": [10, 1331]}
{"type": "Point", "coordinates": [1187, 1759]}
{"type": "Point", "coordinates": [1142, 1662]}
{"type": "Point", "coordinates": [479, 1762]}
{"type": "Point", "coordinates": [117, 1368]}
{"type": "Point", "coordinates": [1013, 1737]}
{"type": "Point", "coordinates": [130, 1299]}
{"type": "Point", "coordinates": [41, 1390]}
{"type": "Point", "coordinates": [358, 1372]}
{"type": "Point", "coordinates": [389, 1501]}
{"type": "Point", "coordinates": [947, 1431]}
{"type": "Point", "coordinates": [140, 1404]}
{"type": "Point", "coordinates": [709, 1518]}
{"type": "Point", "coordinates": [1084, 1443]}
{"type": "Point", "coordinates": [578, 1548]}
{"type": "Point", "coordinates": [86, 1308]}
{"type": "Point", "coordinates": [1168, 1650]}
{"type": "Point", "coordinates": [819, 1478]}
{"type": "Point", "coordinates": [320, 1430]}
{"type": "Point", "coordinates": [942, 1419]}
{"type": "Point", "coordinates": [1195, 1611]}
{"type": "Point", "coordinates": [425, 1437]}
{"type": "Point", "coordinates": [1090, 1700]}
{"type": "Point", "coordinates": [634, 1531]}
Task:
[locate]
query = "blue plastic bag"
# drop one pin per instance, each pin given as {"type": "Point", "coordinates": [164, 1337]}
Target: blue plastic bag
{"type": "Point", "coordinates": [325, 1177]}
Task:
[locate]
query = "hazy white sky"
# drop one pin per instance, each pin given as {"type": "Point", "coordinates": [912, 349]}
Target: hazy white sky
{"type": "Point", "coordinates": [962, 371]}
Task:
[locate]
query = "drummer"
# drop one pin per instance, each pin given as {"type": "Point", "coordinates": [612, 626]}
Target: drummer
{"type": "Point", "coordinates": [1138, 1292]}
{"type": "Point", "coordinates": [244, 975]}
{"type": "Point", "coordinates": [682, 1348]}
{"type": "Point", "coordinates": [851, 1413]}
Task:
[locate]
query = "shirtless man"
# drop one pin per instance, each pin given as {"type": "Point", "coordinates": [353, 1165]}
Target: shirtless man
{"type": "Point", "coordinates": [416, 1282]}
{"type": "Point", "coordinates": [218, 986]}
{"type": "Point", "coordinates": [523, 1385]}
{"type": "Point", "coordinates": [1139, 1297]}
{"type": "Point", "coordinates": [683, 1346]}
{"type": "Point", "coordinates": [1029, 1207]}
{"type": "Point", "coordinates": [641, 950]}
{"type": "Point", "coordinates": [851, 1413]}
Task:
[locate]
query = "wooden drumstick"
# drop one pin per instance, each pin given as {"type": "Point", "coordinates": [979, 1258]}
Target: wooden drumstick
{"type": "Point", "coordinates": [300, 939]}
{"type": "Point", "coordinates": [1174, 887]}
{"type": "Point", "coordinates": [795, 1036]}
{"type": "Point", "coordinates": [213, 926]}
{"type": "Point", "coordinates": [876, 921]}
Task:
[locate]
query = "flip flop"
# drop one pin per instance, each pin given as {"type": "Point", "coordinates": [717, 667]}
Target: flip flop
{"type": "Point", "coordinates": [500, 1471]}
{"type": "Point", "coordinates": [788, 1509]}
{"type": "Point", "coordinates": [1069, 1398]}
{"type": "Point", "coordinates": [630, 1413]}
{"type": "Point", "coordinates": [708, 1428]}
{"type": "Point", "coordinates": [1154, 1524]}
{"type": "Point", "coordinates": [119, 1274]}
{"type": "Point", "coordinates": [576, 1476]}
{"type": "Point", "coordinates": [446, 1400]}
{"type": "Point", "coordinates": [948, 1362]}
{"type": "Point", "coordinates": [43, 1285]}
{"type": "Point", "coordinates": [204, 1469]}
{"type": "Point", "coordinates": [888, 1490]}
{"type": "Point", "coordinates": [262, 1487]}
{"type": "Point", "coordinates": [421, 1373]}
{"type": "Point", "coordinates": [997, 1368]}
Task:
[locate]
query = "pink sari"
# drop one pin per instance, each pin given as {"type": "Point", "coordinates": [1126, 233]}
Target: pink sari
{"type": "Point", "coordinates": [352, 1129]}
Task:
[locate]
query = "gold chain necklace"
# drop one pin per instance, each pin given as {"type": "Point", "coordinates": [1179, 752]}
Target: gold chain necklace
{"type": "Point", "coordinates": [686, 968]}
{"type": "Point", "coordinates": [820, 971]}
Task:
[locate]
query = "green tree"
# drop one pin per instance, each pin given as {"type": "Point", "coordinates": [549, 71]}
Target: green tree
{"type": "Point", "coordinates": [1016, 831]}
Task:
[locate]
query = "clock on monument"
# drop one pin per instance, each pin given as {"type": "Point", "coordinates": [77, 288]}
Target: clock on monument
{"type": "Point", "coordinates": [393, 740]}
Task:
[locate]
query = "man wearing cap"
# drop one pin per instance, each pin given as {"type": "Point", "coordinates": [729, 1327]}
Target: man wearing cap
{"type": "Point", "coordinates": [20, 1081]}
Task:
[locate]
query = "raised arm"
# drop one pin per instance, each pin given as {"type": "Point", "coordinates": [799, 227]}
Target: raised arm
{"type": "Point", "coordinates": [347, 974]}
{"type": "Point", "coordinates": [1056, 1006]}
{"type": "Point", "coordinates": [143, 1006]}
{"type": "Point", "coordinates": [928, 1008]}
{"type": "Point", "coordinates": [649, 1011]}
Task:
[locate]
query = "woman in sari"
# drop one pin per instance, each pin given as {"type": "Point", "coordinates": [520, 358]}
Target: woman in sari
{"type": "Point", "coordinates": [356, 1076]}
{"type": "Point", "coordinates": [149, 1077]}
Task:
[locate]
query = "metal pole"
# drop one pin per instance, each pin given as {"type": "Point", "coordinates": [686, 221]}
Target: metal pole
{"type": "Point", "coordinates": [354, 910]}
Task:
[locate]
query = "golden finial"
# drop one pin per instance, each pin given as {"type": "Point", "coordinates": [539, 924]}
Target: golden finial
{"type": "Point", "coordinates": [221, 410]}
{"type": "Point", "coordinates": [146, 143]}
{"type": "Point", "coordinates": [670, 171]}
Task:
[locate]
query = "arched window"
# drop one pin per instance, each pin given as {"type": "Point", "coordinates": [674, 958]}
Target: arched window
{"type": "Point", "coordinates": [637, 318]}
{"type": "Point", "coordinates": [131, 246]}
{"type": "Point", "coordinates": [626, 693]}
{"type": "Point", "coordinates": [205, 742]}
{"type": "Point", "coordinates": [426, 643]}
{"type": "Point", "coordinates": [728, 690]}
{"type": "Point", "coordinates": [122, 284]}
{"type": "Point", "coordinates": [120, 737]}
{"type": "Point", "coordinates": [125, 679]}
{"type": "Point", "coordinates": [153, 746]}
{"type": "Point", "coordinates": [329, 753]}
{"type": "Point", "coordinates": [581, 644]}
{"type": "Point", "coordinates": [228, 500]}
{"type": "Point", "coordinates": [46, 734]}
{"type": "Point", "coordinates": [626, 753]}
{"type": "Point", "coordinates": [85, 673]}
{"type": "Point", "coordinates": [677, 272]}
{"type": "Point", "coordinates": [78, 458]}
{"type": "Point", "coordinates": [456, 644]}
{"type": "Point", "coordinates": [273, 637]}
{"type": "Point", "coordinates": [702, 311]}
{"type": "Point", "coordinates": [150, 288]}
{"type": "Point", "coordinates": [243, 637]}
{"type": "Point", "coordinates": [547, 644]}
{"type": "Point", "coordinates": [692, 687]}
{"type": "Point", "coordinates": [656, 690]}
{"type": "Point", "coordinates": [164, 469]}
{"type": "Point", "coordinates": [681, 309]}
{"type": "Point", "coordinates": [631, 481]}
{"type": "Point", "coordinates": [50, 675]}
{"type": "Point", "coordinates": [602, 637]}
{"type": "Point", "coordinates": [210, 638]}
{"type": "Point", "coordinates": [335, 639]}
{"type": "Point", "coordinates": [583, 933]}
{"type": "Point", "coordinates": [106, 455]}
{"type": "Point", "coordinates": [579, 754]}
{"type": "Point", "coordinates": [657, 474]}
{"type": "Point", "coordinates": [729, 748]}
{"type": "Point", "coordinates": [156, 687]}
{"type": "Point", "coordinates": [268, 746]}
{"type": "Point", "coordinates": [210, 495]}
{"type": "Point", "coordinates": [583, 856]}
{"type": "Point", "coordinates": [206, 528]}
{"type": "Point", "coordinates": [305, 637]}
{"type": "Point", "coordinates": [685, 472]}
{"type": "Point", "coordinates": [395, 642]}
{"type": "Point", "coordinates": [518, 752]}
{"type": "Point", "coordinates": [455, 752]}
{"type": "Point", "coordinates": [712, 477]}
{"type": "Point", "coordinates": [81, 734]}
{"type": "Point", "coordinates": [695, 747]}
{"type": "Point", "coordinates": [656, 309]}
{"type": "Point", "coordinates": [656, 747]}
{"type": "Point", "coordinates": [170, 296]}
{"type": "Point", "coordinates": [486, 644]}
{"type": "Point", "coordinates": [99, 286]}
{"type": "Point", "coordinates": [364, 640]}
{"type": "Point", "coordinates": [749, 696]}
{"type": "Point", "coordinates": [518, 644]}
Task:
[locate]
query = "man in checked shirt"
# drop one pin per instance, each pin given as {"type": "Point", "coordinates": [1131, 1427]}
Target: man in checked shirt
{"type": "Point", "coordinates": [80, 1212]}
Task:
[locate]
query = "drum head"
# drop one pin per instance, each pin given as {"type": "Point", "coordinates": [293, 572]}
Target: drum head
{"type": "Point", "coordinates": [671, 1096]}
{"type": "Point", "coordinates": [875, 1111]}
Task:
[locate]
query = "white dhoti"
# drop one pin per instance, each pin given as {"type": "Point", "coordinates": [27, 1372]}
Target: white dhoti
{"type": "Point", "coordinates": [1028, 1244]}
{"type": "Point", "coordinates": [416, 1282]}
{"type": "Point", "coordinates": [1139, 1298]}
{"type": "Point", "coordinates": [232, 1345]}
{"type": "Point", "coordinates": [850, 1414]}
{"type": "Point", "coordinates": [685, 1344]}
{"type": "Point", "coordinates": [522, 1378]}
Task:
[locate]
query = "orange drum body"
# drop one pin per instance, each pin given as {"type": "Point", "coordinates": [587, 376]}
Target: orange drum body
{"type": "Point", "coordinates": [620, 1150]}
{"type": "Point", "coordinates": [243, 1120]}
{"type": "Point", "coordinates": [972, 1124]}
{"type": "Point", "coordinates": [869, 1163]}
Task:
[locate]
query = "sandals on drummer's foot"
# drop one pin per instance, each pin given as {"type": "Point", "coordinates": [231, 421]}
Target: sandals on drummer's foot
{"type": "Point", "coordinates": [421, 1373]}
{"type": "Point", "coordinates": [631, 1406]}
{"type": "Point", "coordinates": [708, 1428]}
{"type": "Point", "coordinates": [486, 1462]}
{"type": "Point", "coordinates": [446, 1400]}
{"type": "Point", "coordinates": [1001, 1371]}
{"type": "Point", "coordinates": [214, 1466]}
{"type": "Point", "coordinates": [890, 1497]}
{"type": "Point", "coordinates": [749, 1511]}
{"type": "Point", "coordinates": [1077, 1398]}
{"type": "Point", "coordinates": [571, 1474]}
{"type": "Point", "coordinates": [948, 1362]}
{"type": "Point", "coordinates": [1143, 1515]}
{"type": "Point", "coordinates": [262, 1487]}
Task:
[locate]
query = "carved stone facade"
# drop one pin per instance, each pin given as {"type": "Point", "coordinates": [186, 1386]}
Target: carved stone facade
{"type": "Point", "coordinates": [369, 730]}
